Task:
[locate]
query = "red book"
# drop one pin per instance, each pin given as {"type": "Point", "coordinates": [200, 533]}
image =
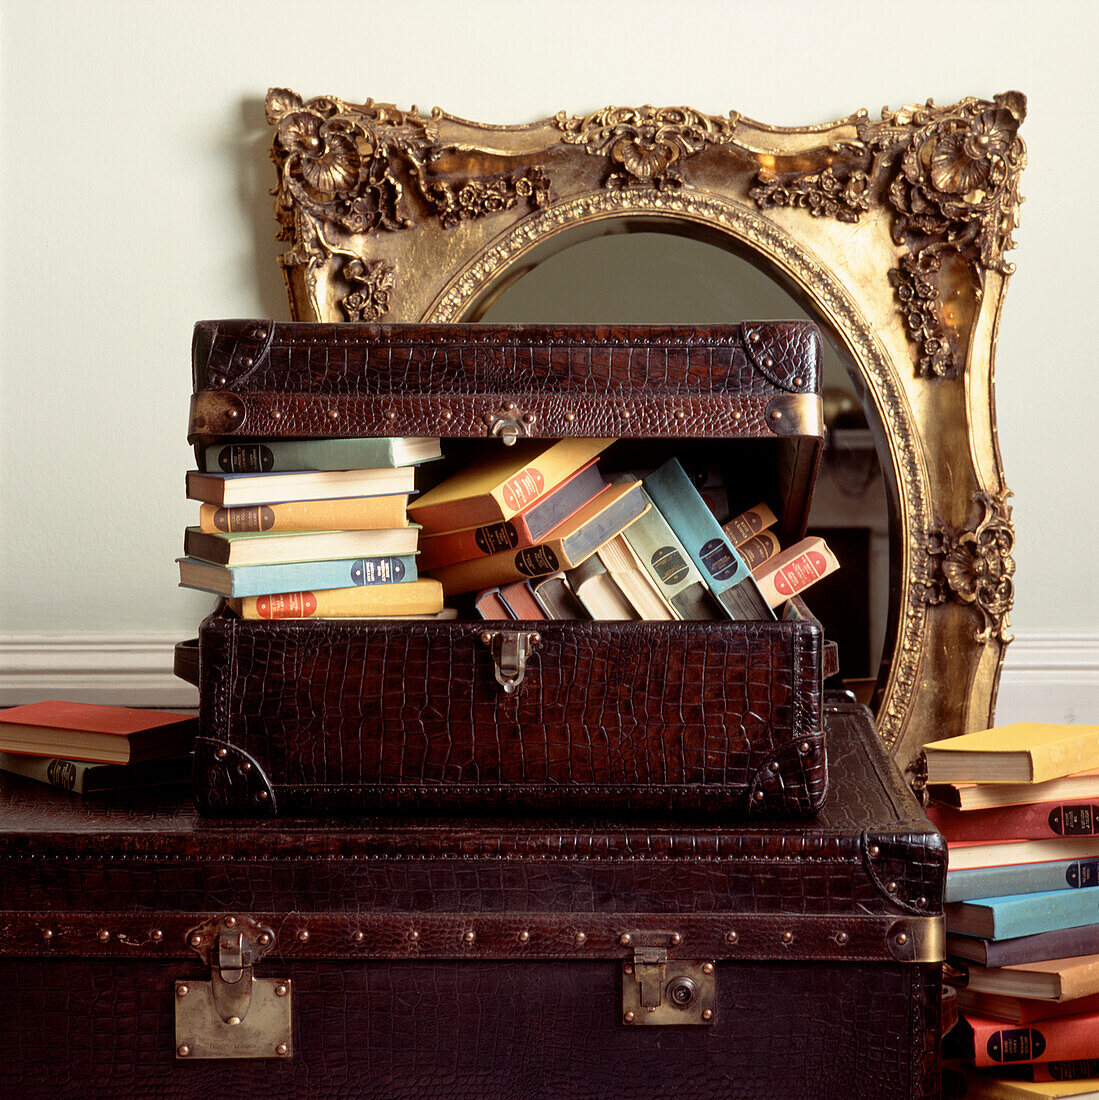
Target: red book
{"type": "Point", "coordinates": [521, 600]}
{"type": "Point", "coordinates": [489, 605]}
{"type": "Point", "coordinates": [1031, 821]}
{"type": "Point", "coordinates": [1064, 1039]}
{"type": "Point", "coordinates": [1076, 1069]}
{"type": "Point", "coordinates": [97, 734]}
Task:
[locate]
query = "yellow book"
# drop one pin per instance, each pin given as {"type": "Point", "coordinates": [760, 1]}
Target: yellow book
{"type": "Point", "coordinates": [497, 488]}
{"type": "Point", "coordinates": [1025, 752]}
{"type": "Point", "coordinates": [422, 597]}
{"type": "Point", "coordinates": [345, 514]}
{"type": "Point", "coordinates": [979, 1087]}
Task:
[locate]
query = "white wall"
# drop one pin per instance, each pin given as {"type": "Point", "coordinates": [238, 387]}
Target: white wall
{"type": "Point", "coordinates": [134, 179]}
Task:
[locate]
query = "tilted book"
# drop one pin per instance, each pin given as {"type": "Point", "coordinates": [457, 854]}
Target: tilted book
{"type": "Point", "coordinates": [1052, 980]}
{"type": "Point", "coordinates": [342, 514]}
{"type": "Point", "coordinates": [1024, 752]}
{"type": "Point", "coordinates": [423, 597]}
{"type": "Point", "coordinates": [634, 580]}
{"type": "Point", "coordinates": [598, 593]}
{"type": "Point", "coordinates": [282, 455]}
{"type": "Point", "coordinates": [706, 543]}
{"type": "Point", "coordinates": [274, 548]}
{"type": "Point", "coordinates": [1082, 1070]}
{"type": "Point", "coordinates": [759, 549]}
{"type": "Point", "coordinates": [794, 570]}
{"type": "Point", "coordinates": [236, 489]}
{"type": "Point", "coordinates": [978, 1085]}
{"type": "Point", "coordinates": [557, 598]}
{"type": "Point", "coordinates": [500, 487]}
{"type": "Point", "coordinates": [519, 600]}
{"type": "Point", "coordinates": [749, 524]}
{"type": "Point", "coordinates": [1020, 878]}
{"type": "Point", "coordinates": [1037, 819]}
{"type": "Point", "coordinates": [1023, 914]}
{"type": "Point", "coordinates": [261, 580]}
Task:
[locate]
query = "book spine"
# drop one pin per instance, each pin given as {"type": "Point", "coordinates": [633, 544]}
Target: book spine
{"type": "Point", "coordinates": [262, 580]}
{"type": "Point", "coordinates": [437, 551]}
{"type": "Point", "coordinates": [1020, 878]}
{"type": "Point", "coordinates": [1068, 1038]}
{"type": "Point", "coordinates": [794, 570]}
{"type": "Point", "coordinates": [502, 569]}
{"type": "Point", "coordinates": [346, 514]}
{"type": "Point", "coordinates": [65, 775]}
{"type": "Point", "coordinates": [282, 456]}
{"type": "Point", "coordinates": [706, 543]}
{"type": "Point", "coordinates": [423, 597]}
{"type": "Point", "coordinates": [1059, 943]}
{"type": "Point", "coordinates": [749, 524]}
{"type": "Point", "coordinates": [758, 550]}
{"type": "Point", "coordinates": [1033, 821]}
{"type": "Point", "coordinates": [1074, 1069]}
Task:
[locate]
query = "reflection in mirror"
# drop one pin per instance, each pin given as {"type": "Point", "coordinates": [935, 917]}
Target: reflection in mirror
{"type": "Point", "coordinates": [631, 277]}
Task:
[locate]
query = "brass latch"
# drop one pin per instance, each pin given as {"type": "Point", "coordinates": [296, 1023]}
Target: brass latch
{"type": "Point", "coordinates": [510, 650]}
{"type": "Point", "coordinates": [234, 1015]}
{"type": "Point", "coordinates": [663, 992]}
{"type": "Point", "coordinates": [509, 424]}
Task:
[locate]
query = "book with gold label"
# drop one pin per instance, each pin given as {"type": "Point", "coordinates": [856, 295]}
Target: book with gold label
{"type": "Point", "coordinates": [572, 542]}
{"type": "Point", "coordinates": [422, 597]}
{"type": "Point", "coordinates": [500, 487]}
{"type": "Point", "coordinates": [794, 570]}
{"type": "Point", "coordinates": [344, 514]}
{"type": "Point", "coordinates": [275, 488]}
{"type": "Point", "coordinates": [749, 524]}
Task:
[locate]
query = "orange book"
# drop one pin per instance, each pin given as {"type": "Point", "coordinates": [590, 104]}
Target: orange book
{"type": "Point", "coordinates": [794, 570]}
{"type": "Point", "coordinates": [422, 597]}
{"type": "Point", "coordinates": [344, 514]}
{"type": "Point", "coordinates": [990, 1043]}
{"type": "Point", "coordinates": [503, 486]}
{"type": "Point", "coordinates": [1029, 822]}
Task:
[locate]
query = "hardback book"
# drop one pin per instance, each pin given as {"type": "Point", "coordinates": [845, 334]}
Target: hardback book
{"type": "Point", "coordinates": [1021, 1010]}
{"type": "Point", "coordinates": [706, 543]}
{"type": "Point", "coordinates": [523, 530]}
{"type": "Point", "coordinates": [276, 548]}
{"type": "Point", "coordinates": [96, 734]}
{"type": "Point", "coordinates": [1021, 878]}
{"type": "Point", "coordinates": [231, 490]}
{"type": "Point", "coordinates": [1031, 821]}
{"type": "Point", "coordinates": [634, 580]}
{"type": "Point", "coordinates": [519, 599]}
{"type": "Point", "coordinates": [93, 779]}
{"type": "Point", "coordinates": [1048, 980]}
{"type": "Point", "coordinates": [677, 577]}
{"type": "Point", "coordinates": [1069, 1070]}
{"type": "Point", "coordinates": [344, 514]}
{"type": "Point", "coordinates": [1023, 914]}
{"type": "Point", "coordinates": [571, 542]}
{"type": "Point", "coordinates": [759, 550]}
{"type": "Point", "coordinates": [262, 580]}
{"type": "Point", "coordinates": [597, 591]}
{"type": "Point", "coordinates": [990, 1043]}
{"type": "Point", "coordinates": [795, 569]}
{"type": "Point", "coordinates": [1024, 752]}
{"type": "Point", "coordinates": [283, 455]}
{"type": "Point", "coordinates": [489, 604]}
{"type": "Point", "coordinates": [498, 488]}
{"type": "Point", "coordinates": [422, 597]}
{"type": "Point", "coordinates": [1060, 943]}
{"type": "Point", "coordinates": [964, 856]}
{"type": "Point", "coordinates": [749, 524]}
{"type": "Point", "coordinates": [980, 796]}
{"type": "Point", "coordinates": [557, 599]}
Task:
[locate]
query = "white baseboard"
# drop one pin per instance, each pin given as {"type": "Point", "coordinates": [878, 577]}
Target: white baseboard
{"type": "Point", "coordinates": [1047, 677]}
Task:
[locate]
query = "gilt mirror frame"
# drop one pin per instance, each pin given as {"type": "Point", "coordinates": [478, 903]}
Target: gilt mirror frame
{"type": "Point", "coordinates": [893, 231]}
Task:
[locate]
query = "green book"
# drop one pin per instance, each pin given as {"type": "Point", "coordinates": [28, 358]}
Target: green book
{"type": "Point", "coordinates": [283, 455]}
{"type": "Point", "coordinates": [89, 779]}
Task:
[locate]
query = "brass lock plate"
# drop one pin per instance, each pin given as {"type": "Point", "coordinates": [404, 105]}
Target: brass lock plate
{"type": "Point", "coordinates": [672, 993]}
{"type": "Point", "coordinates": [264, 1032]}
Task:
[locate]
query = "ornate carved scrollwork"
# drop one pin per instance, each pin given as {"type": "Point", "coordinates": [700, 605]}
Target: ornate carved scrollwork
{"type": "Point", "coordinates": [649, 143]}
{"type": "Point", "coordinates": [976, 567]}
{"type": "Point", "coordinates": [475, 198]}
{"type": "Point", "coordinates": [373, 280]}
{"type": "Point", "coordinates": [950, 177]}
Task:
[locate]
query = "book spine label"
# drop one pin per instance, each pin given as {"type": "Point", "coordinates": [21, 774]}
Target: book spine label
{"type": "Point", "coordinates": [1010, 1044]}
{"type": "Point", "coordinates": [474, 542]}
{"type": "Point", "coordinates": [1022, 878]}
{"type": "Point", "coordinates": [285, 456]}
{"type": "Point", "coordinates": [663, 555]}
{"type": "Point", "coordinates": [1069, 1038]}
{"type": "Point", "coordinates": [239, 458]}
{"type": "Point", "coordinates": [749, 524]}
{"type": "Point", "coordinates": [65, 775]}
{"type": "Point", "coordinates": [347, 514]}
{"type": "Point", "coordinates": [423, 597]}
{"type": "Point", "coordinates": [1073, 819]}
{"type": "Point", "coordinates": [795, 570]}
{"type": "Point", "coordinates": [759, 549]}
{"type": "Point", "coordinates": [523, 489]}
{"type": "Point", "coordinates": [1073, 1069]}
{"type": "Point", "coordinates": [261, 580]}
{"type": "Point", "coordinates": [1035, 821]}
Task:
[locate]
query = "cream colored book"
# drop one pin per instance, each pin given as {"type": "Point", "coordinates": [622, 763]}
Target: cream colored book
{"type": "Point", "coordinates": [1051, 980]}
{"type": "Point", "coordinates": [980, 1087]}
{"type": "Point", "coordinates": [422, 597]}
{"type": "Point", "coordinates": [983, 796]}
{"type": "Point", "coordinates": [633, 579]}
{"type": "Point", "coordinates": [1025, 752]}
{"type": "Point", "coordinates": [964, 857]}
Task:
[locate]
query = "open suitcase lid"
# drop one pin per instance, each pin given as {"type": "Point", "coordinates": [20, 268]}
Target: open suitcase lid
{"type": "Point", "coordinates": [257, 379]}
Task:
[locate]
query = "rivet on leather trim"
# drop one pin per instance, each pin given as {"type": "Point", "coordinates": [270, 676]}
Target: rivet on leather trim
{"type": "Point", "coordinates": [390, 415]}
{"type": "Point", "coordinates": [264, 939]}
{"type": "Point", "coordinates": [282, 1050]}
{"type": "Point", "coordinates": [759, 796]}
{"type": "Point", "coordinates": [47, 934]}
{"type": "Point", "coordinates": [731, 937]}
{"type": "Point", "coordinates": [776, 414]}
{"type": "Point", "coordinates": [707, 968]}
{"type": "Point", "coordinates": [333, 414]}
{"type": "Point", "coordinates": [902, 939]}
{"type": "Point", "coordinates": [754, 337]}
{"type": "Point", "coordinates": [303, 936]}
{"type": "Point", "coordinates": [196, 941]}
{"type": "Point", "coordinates": [707, 1013]}
{"type": "Point", "coordinates": [276, 414]}
{"type": "Point", "coordinates": [524, 937]}
{"type": "Point", "coordinates": [414, 936]}
{"type": "Point", "coordinates": [581, 937]}
{"type": "Point", "coordinates": [842, 938]}
{"type": "Point", "coordinates": [447, 414]}
{"type": "Point", "coordinates": [890, 887]}
{"type": "Point", "coordinates": [230, 922]}
{"type": "Point", "coordinates": [357, 937]}
{"type": "Point", "coordinates": [787, 937]}
{"type": "Point", "coordinates": [281, 989]}
{"type": "Point", "coordinates": [182, 990]}
{"type": "Point", "coordinates": [768, 362]}
{"type": "Point", "coordinates": [625, 939]}
{"type": "Point", "coordinates": [221, 754]}
{"type": "Point", "coordinates": [183, 1051]}
{"type": "Point", "coordinates": [246, 361]}
{"type": "Point", "coordinates": [629, 1017]}
{"type": "Point", "coordinates": [874, 851]}
{"type": "Point", "coordinates": [804, 747]}
{"type": "Point", "coordinates": [676, 939]}
{"type": "Point", "coordinates": [921, 902]}
{"type": "Point", "coordinates": [104, 935]}
{"type": "Point", "coordinates": [737, 414]}
{"type": "Point", "coordinates": [156, 935]}
{"type": "Point", "coordinates": [570, 416]}
{"type": "Point", "coordinates": [470, 936]}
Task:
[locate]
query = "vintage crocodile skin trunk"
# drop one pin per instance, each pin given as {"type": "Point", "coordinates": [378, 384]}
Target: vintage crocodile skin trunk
{"type": "Point", "coordinates": [353, 716]}
{"type": "Point", "coordinates": [474, 960]}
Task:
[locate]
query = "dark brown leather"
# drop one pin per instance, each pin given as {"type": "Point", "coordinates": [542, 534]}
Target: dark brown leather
{"type": "Point", "coordinates": [495, 1018]}
{"type": "Point", "coordinates": [331, 716]}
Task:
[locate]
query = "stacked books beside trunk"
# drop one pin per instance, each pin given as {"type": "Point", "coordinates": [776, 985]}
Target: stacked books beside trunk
{"type": "Point", "coordinates": [1018, 806]}
{"type": "Point", "coordinates": [309, 528]}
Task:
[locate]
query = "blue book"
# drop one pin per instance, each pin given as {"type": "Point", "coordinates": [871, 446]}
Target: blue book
{"type": "Point", "coordinates": [1021, 878]}
{"type": "Point", "coordinates": [297, 576]}
{"type": "Point", "coordinates": [1017, 915]}
{"type": "Point", "coordinates": [707, 545]}
{"type": "Point", "coordinates": [280, 455]}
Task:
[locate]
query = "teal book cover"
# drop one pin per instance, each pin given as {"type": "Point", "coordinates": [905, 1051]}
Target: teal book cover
{"type": "Point", "coordinates": [298, 576]}
{"type": "Point", "coordinates": [1021, 878]}
{"type": "Point", "coordinates": [287, 455]}
{"type": "Point", "coordinates": [1017, 915]}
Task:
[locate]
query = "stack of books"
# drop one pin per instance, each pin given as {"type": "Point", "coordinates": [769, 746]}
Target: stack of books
{"type": "Point", "coordinates": [89, 749]}
{"type": "Point", "coordinates": [309, 528]}
{"type": "Point", "coordinates": [542, 531]}
{"type": "Point", "coordinates": [1018, 807]}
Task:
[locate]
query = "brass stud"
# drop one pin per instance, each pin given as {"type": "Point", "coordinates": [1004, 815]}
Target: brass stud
{"type": "Point", "coordinates": [104, 935]}
{"type": "Point", "coordinates": [875, 851]}
{"type": "Point", "coordinates": [183, 1051]}
{"type": "Point", "coordinates": [731, 937]}
{"type": "Point", "coordinates": [414, 936]}
{"type": "Point", "coordinates": [156, 935]}
{"type": "Point", "coordinates": [233, 1021]}
{"type": "Point", "coordinates": [529, 418]}
{"type": "Point", "coordinates": [842, 938]}
{"type": "Point", "coordinates": [196, 940]}
{"type": "Point", "coordinates": [626, 414]}
{"type": "Point", "coordinates": [798, 380]}
{"type": "Point", "coordinates": [219, 379]}
{"type": "Point", "coordinates": [758, 796]}
{"type": "Point", "coordinates": [804, 747]}
{"type": "Point", "coordinates": [581, 937]}
{"type": "Point", "coordinates": [276, 414]}
{"type": "Point", "coordinates": [246, 766]}
{"type": "Point", "coordinates": [246, 361]}
{"type": "Point", "coordinates": [628, 968]}
{"type": "Point", "coordinates": [303, 936]}
{"type": "Point", "coordinates": [510, 406]}
{"type": "Point", "coordinates": [230, 922]}
{"type": "Point", "coordinates": [707, 1014]}
{"type": "Point", "coordinates": [921, 902]}
{"type": "Point", "coordinates": [231, 414]}
{"type": "Point", "coordinates": [281, 989]}
{"type": "Point", "coordinates": [264, 939]}
{"type": "Point", "coordinates": [737, 414]}
{"type": "Point", "coordinates": [357, 937]}
{"type": "Point", "coordinates": [260, 334]}
{"type": "Point", "coordinates": [536, 638]}
{"type": "Point", "coordinates": [182, 990]}
{"type": "Point", "coordinates": [261, 796]}
{"type": "Point", "coordinates": [629, 1017]}
{"type": "Point", "coordinates": [902, 939]}
{"type": "Point", "coordinates": [773, 766]}
{"type": "Point", "coordinates": [390, 415]}
{"type": "Point", "coordinates": [787, 937]}
{"type": "Point", "coordinates": [333, 414]}
{"type": "Point", "coordinates": [570, 416]}
{"type": "Point", "coordinates": [524, 937]}
{"type": "Point", "coordinates": [776, 414]}
{"type": "Point", "coordinates": [47, 934]}
{"type": "Point", "coordinates": [486, 637]}
{"type": "Point", "coordinates": [447, 414]}
{"type": "Point", "coordinates": [625, 939]}
{"type": "Point", "coordinates": [754, 337]}
{"type": "Point", "coordinates": [891, 887]}
{"type": "Point", "coordinates": [768, 362]}
{"type": "Point", "coordinates": [221, 754]}
{"type": "Point", "coordinates": [469, 936]}
{"type": "Point", "coordinates": [707, 968]}
{"type": "Point", "coordinates": [677, 939]}
{"type": "Point", "coordinates": [282, 1050]}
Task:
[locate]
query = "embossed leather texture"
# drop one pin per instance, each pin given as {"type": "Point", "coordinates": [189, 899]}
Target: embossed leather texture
{"type": "Point", "coordinates": [392, 998]}
{"type": "Point", "coordinates": [330, 717]}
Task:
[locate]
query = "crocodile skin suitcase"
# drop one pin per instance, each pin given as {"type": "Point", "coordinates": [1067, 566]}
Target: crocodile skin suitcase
{"type": "Point", "coordinates": [474, 960]}
{"type": "Point", "coordinates": [353, 716]}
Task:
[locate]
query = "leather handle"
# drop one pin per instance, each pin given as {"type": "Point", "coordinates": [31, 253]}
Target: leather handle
{"type": "Point", "coordinates": [185, 663]}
